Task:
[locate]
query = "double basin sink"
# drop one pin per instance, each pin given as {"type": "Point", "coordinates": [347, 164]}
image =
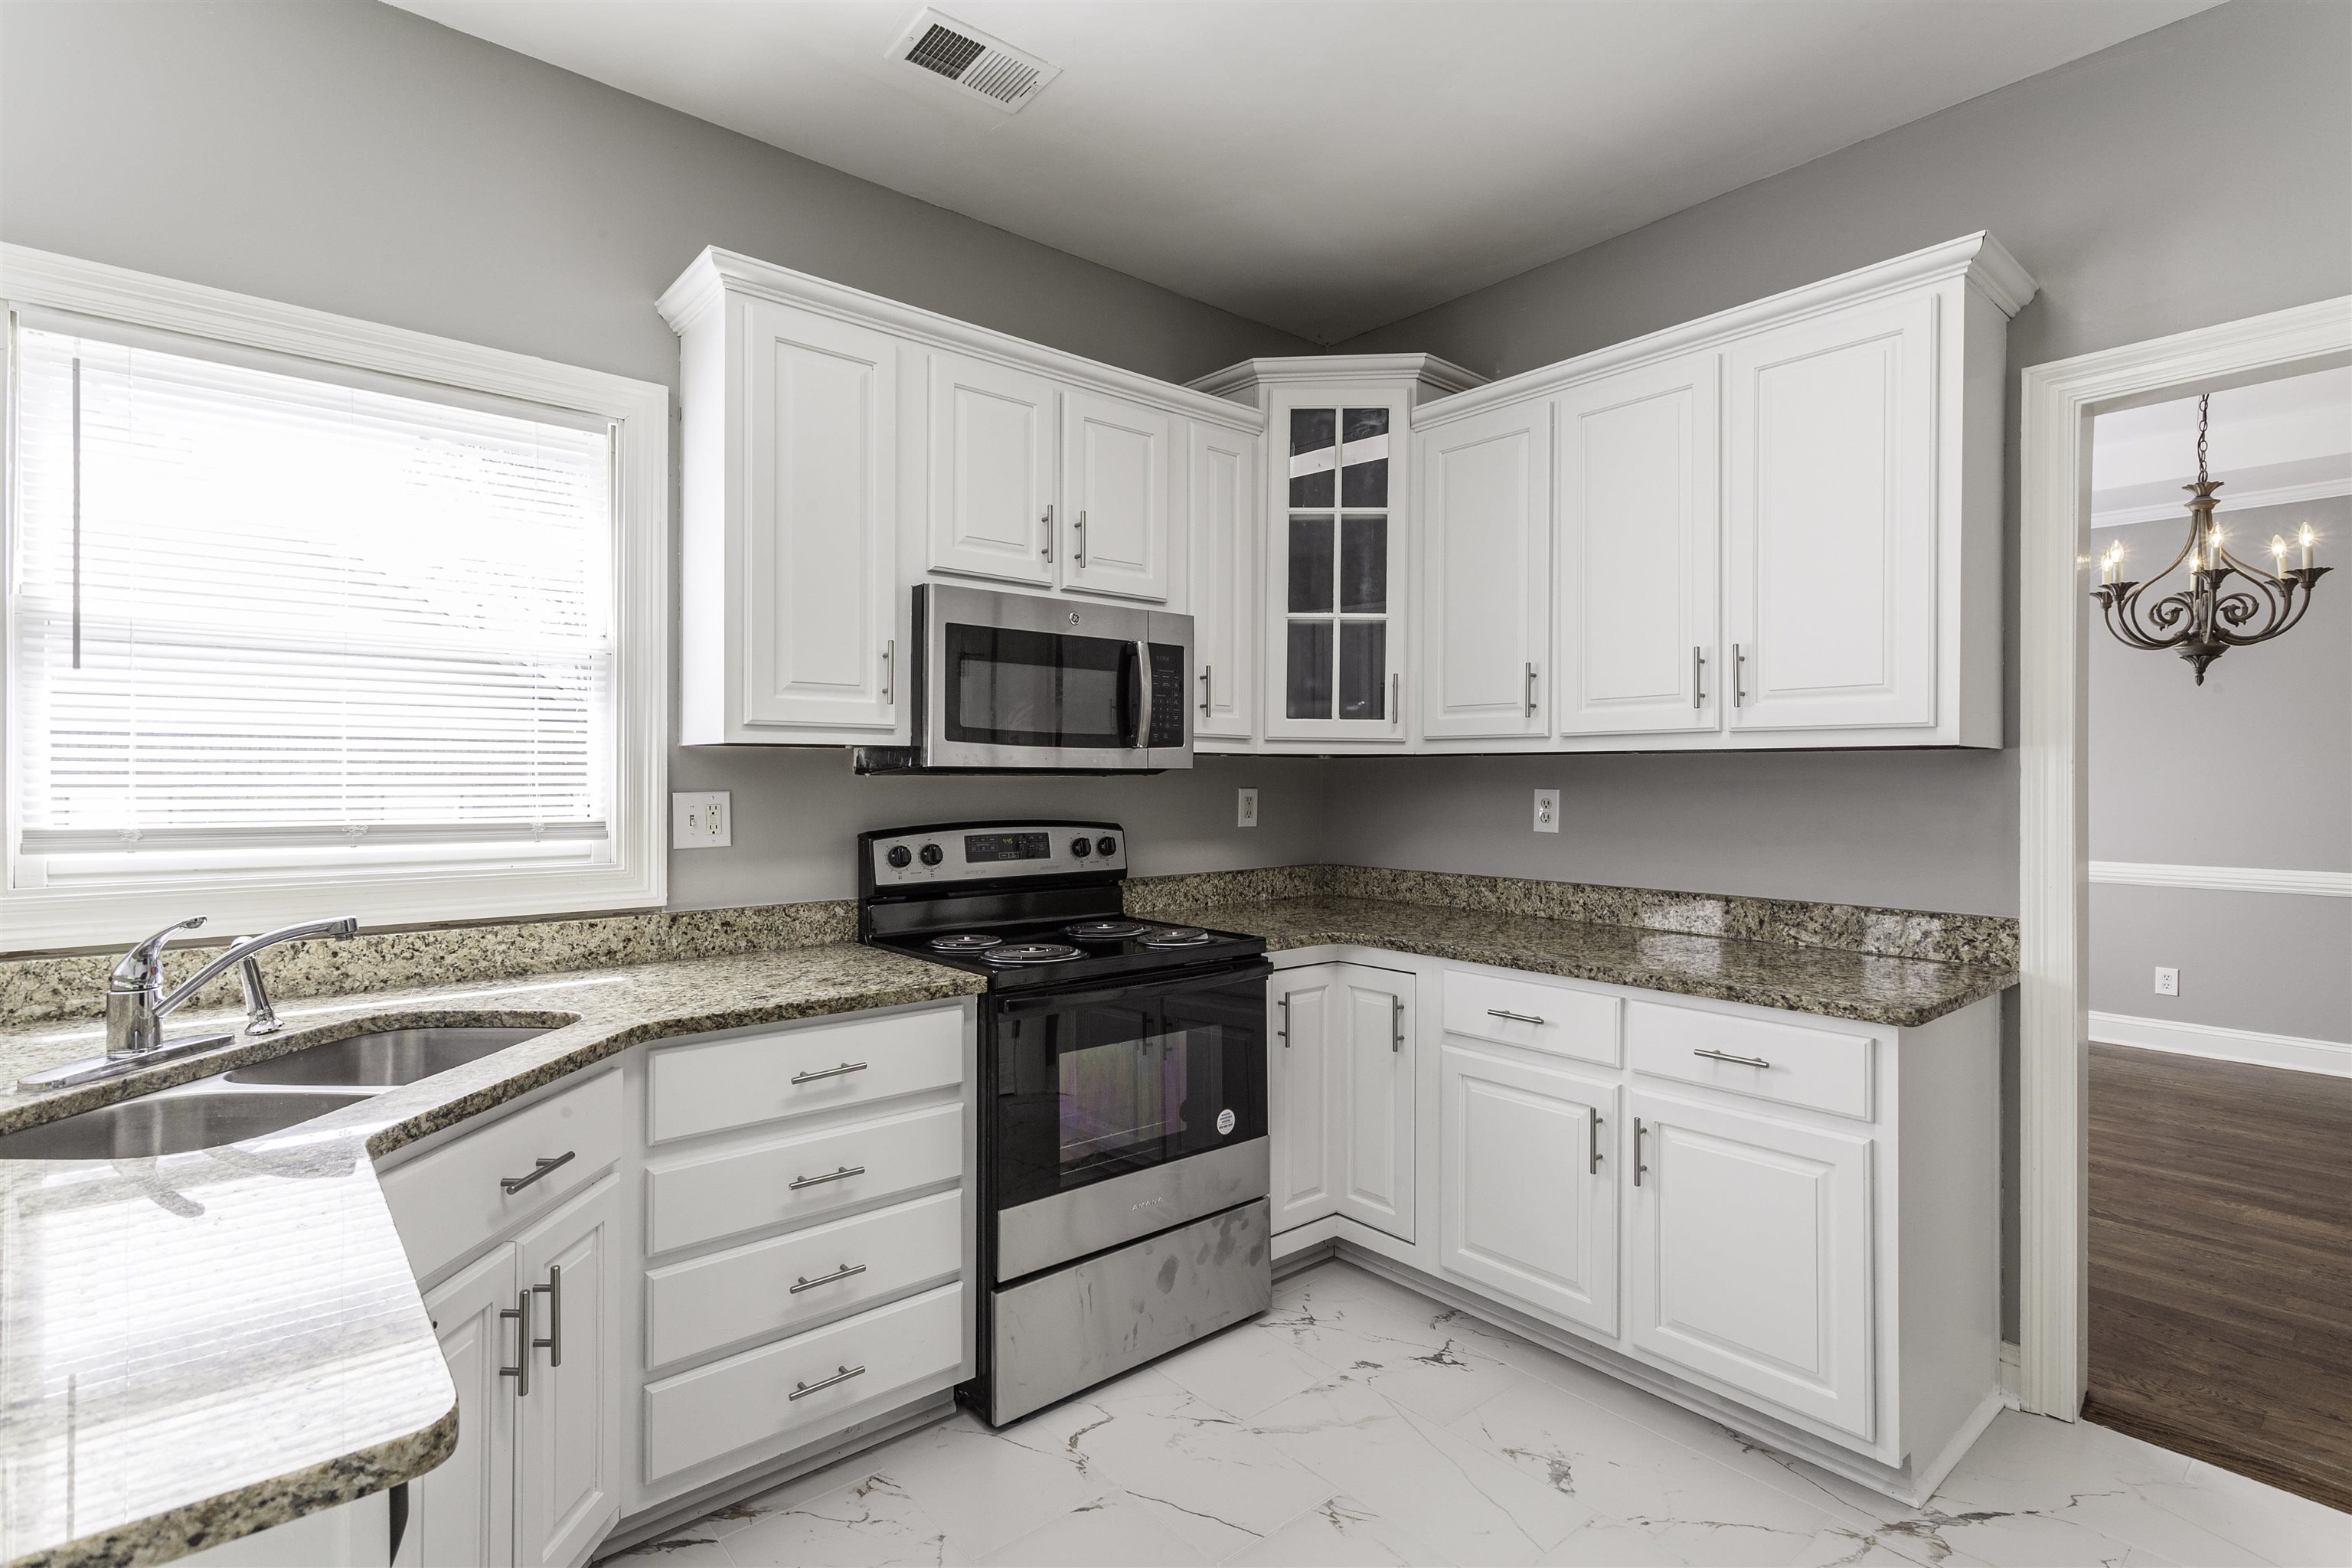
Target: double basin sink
{"type": "Point", "coordinates": [264, 1098]}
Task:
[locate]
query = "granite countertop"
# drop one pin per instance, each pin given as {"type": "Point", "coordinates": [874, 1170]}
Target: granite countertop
{"type": "Point", "coordinates": [1829, 982]}
{"type": "Point", "coordinates": [202, 1345]}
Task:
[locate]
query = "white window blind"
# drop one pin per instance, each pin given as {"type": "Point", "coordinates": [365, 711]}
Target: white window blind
{"type": "Point", "coordinates": [271, 619]}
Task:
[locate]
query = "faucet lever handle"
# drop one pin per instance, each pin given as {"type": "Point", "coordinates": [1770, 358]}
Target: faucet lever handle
{"type": "Point", "coordinates": [142, 968]}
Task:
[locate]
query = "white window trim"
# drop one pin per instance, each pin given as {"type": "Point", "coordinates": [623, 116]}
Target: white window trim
{"type": "Point", "coordinates": [38, 918]}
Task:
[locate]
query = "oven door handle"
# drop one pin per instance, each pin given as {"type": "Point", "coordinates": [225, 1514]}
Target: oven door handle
{"type": "Point", "coordinates": [1024, 1006]}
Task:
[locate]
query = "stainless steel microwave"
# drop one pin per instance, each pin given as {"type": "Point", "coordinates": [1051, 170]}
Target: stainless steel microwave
{"type": "Point", "coordinates": [1020, 681]}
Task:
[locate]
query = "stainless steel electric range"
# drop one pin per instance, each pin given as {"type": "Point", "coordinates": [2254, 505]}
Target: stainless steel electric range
{"type": "Point", "coordinates": [1123, 1167]}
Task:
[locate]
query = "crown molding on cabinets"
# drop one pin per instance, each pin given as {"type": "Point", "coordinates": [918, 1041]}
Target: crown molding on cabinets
{"type": "Point", "coordinates": [1436, 377]}
{"type": "Point", "coordinates": [2224, 878]}
{"type": "Point", "coordinates": [707, 280]}
{"type": "Point", "coordinates": [1979, 257]}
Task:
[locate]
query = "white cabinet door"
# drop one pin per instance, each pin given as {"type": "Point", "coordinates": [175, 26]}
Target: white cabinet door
{"type": "Point", "coordinates": [1223, 539]}
{"type": "Point", "coordinates": [1115, 484]}
{"type": "Point", "coordinates": [461, 1515]}
{"type": "Point", "coordinates": [991, 470]}
{"type": "Point", "coordinates": [1337, 565]}
{"type": "Point", "coordinates": [1530, 1183]}
{"type": "Point", "coordinates": [566, 1491]}
{"type": "Point", "coordinates": [1305, 1003]}
{"type": "Point", "coordinates": [1751, 1256]}
{"type": "Point", "coordinates": [1486, 580]}
{"type": "Point", "coordinates": [1371, 1115]}
{"type": "Point", "coordinates": [1640, 533]}
{"type": "Point", "coordinates": [1830, 538]}
{"type": "Point", "coordinates": [820, 521]}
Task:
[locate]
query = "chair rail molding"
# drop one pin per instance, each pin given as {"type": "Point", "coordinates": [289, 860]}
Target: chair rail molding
{"type": "Point", "coordinates": [2222, 878]}
{"type": "Point", "coordinates": [2056, 404]}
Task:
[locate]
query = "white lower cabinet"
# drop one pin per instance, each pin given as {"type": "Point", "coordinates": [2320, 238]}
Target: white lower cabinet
{"type": "Point", "coordinates": [1530, 1183]}
{"type": "Point", "coordinates": [1298, 1093]}
{"type": "Point", "coordinates": [1341, 1095]}
{"type": "Point", "coordinates": [1751, 1254]}
{"type": "Point", "coordinates": [462, 1514]}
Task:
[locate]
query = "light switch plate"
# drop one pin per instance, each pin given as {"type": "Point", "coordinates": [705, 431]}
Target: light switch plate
{"type": "Point", "coordinates": [1244, 808]}
{"type": "Point", "coordinates": [2168, 981]}
{"type": "Point", "coordinates": [1547, 811]}
{"type": "Point", "coordinates": [705, 821]}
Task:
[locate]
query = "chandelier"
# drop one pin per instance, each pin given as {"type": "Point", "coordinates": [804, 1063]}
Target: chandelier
{"type": "Point", "coordinates": [2225, 604]}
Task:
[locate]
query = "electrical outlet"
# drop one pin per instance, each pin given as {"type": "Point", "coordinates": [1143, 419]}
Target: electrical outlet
{"type": "Point", "coordinates": [1245, 808]}
{"type": "Point", "coordinates": [2168, 981]}
{"type": "Point", "coordinates": [705, 821]}
{"type": "Point", "coordinates": [1547, 811]}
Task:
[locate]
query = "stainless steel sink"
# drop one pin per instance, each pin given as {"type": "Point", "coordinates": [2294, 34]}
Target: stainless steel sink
{"type": "Point", "coordinates": [174, 1122]}
{"type": "Point", "coordinates": [385, 1058]}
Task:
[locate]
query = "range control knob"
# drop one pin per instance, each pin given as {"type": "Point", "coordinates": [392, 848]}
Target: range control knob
{"type": "Point", "coordinates": [1106, 844]}
{"type": "Point", "coordinates": [932, 855]}
{"type": "Point", "coordinates": [901, 856]}
{"type": "Point", "coordinates": [1080, 847]}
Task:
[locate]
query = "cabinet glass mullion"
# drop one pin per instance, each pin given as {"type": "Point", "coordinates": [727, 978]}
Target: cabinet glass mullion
{"type": "Point", "coordinates": [1336, 651]}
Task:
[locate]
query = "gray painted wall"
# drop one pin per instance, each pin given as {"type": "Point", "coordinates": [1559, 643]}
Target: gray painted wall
{"type": "Point", "coordinates": [360, 159]}
{"type": "Point", "coordinates": [2252, 768]}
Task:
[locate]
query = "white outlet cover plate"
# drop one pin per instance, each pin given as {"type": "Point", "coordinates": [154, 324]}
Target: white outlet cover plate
{"type": "Point", "coordinates": [1245, 808]}
{"type": "Point", "coordinates": [2168, 982]}
{"type": "Point", "coordinates": [1547, 811]}
{"type": "Point", "coordinates": [702, 821]}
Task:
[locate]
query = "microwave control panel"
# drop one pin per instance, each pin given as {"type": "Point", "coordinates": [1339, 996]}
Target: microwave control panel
{"type": "Point", "coordinates": [950, 855]}
{"type": "Point", "coordinates": [1168, 696]}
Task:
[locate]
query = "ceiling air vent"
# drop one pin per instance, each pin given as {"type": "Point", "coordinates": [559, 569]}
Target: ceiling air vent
{"type": "Point", "coordinates": [976, 63]}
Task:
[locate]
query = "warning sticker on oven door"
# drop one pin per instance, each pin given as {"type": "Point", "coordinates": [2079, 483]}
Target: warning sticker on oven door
{"type": "Point", "coordinates": [1225, 1122]}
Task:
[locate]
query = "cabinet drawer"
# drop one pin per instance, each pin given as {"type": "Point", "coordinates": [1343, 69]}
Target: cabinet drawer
{"type": "Point", "coordinates": [765, 1289]}
{"type": "Point", "coordinates": [1795, 1063]}
{"type": "Point", "coordinates": [759, 1077]}
{"type": "Point", "coordinates": [704, 1197]}
{"type": "Point", "coordinates": [1578, 1024]}
{"type": "Point", "coordinates": [716, 1409]}
{"type": "Point", "coordinates": [447, 1203]}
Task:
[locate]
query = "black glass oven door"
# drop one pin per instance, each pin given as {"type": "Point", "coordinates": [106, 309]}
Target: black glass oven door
{"type": "Point", "coordinates": [1098, 1084]}
{"type": "Point", "coordinates": [1002, 685]}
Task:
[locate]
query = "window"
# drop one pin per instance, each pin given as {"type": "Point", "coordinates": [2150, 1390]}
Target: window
{"type": "Point", "coordinates": [292, 633]}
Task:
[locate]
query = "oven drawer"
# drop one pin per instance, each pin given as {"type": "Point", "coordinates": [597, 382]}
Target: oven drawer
{"type": "Point", "coordinates": [1554, 1020]}
{"type": "Point", "coordinates": [749, 1078]}
{"type": "Point", "coordinates": [783, 1284]}
{"type": "Point", "coordinates": [750, 1398]}
{"type": "Point", "coordinates": [694, 1199]}
{"type": "Point", "coordinates": [1796, 1064]}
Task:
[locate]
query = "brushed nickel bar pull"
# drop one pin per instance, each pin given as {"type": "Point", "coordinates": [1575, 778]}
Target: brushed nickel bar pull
{"type": "Point", "coordinates": [889, 670]}
{"type": "Point", "coordinates": [1396, 699]}
{"type": "Point", "coordinates": [1639, 1131]}
{"type": "Point", "coordinates": [842, 1174]}
{"type": "Point", "coordinates": [1048, 520]}
{"type": "Point", "coordinates": [1396, 1024]}
{"type": "Point", "coordinates": [1738, 675]}
{"type": "Point", "coordinates": [521, 1370]}
{"type": "Point", "coordinates": [1698, 677]}
{"type": "Point", "coordinates": [1283, 1033]}
{"type": "Point", "coordinates": [1531, 691]}
{"type": "Point", "coordinates": [843, 1272]}
{"type": "Point", "coordinates": [1514, 1017]}
{"type": "Point", "coordinates": [843, 1375]}
{"type": "Point", "coordinates": [510, 1185]}
{"type": "Point", "coordinates": [1728, 1056]}
{"type": "Point", "coordinates": [1592, 1161]}
{"type": "Point", "coordinates": [553, 1291]}
{"type": "Point", "coordinates": [1082, 540]}
{"type": "Point", "coordinates": [1207, 691]}
{"type": "Point", "coordinates": [831, 1072]}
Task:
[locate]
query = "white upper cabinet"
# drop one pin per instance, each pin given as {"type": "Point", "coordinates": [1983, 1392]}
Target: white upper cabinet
{"type": "Point", "coordinates": [991, 470]}
{"type": "Point", "coordinates": [1639, 529]}
{"type": "Point", "coordinates": [1485, 577]}
{"type": "Point", "coordinates": [1831, 569]}
{"type": "Point", "coordinates": [1224, 503]}
{"type": "Point", "coordinates": [1117, 467]}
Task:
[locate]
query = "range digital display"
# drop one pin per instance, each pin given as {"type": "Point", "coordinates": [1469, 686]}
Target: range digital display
{"type": "Point", "coordinates": [983, 846]}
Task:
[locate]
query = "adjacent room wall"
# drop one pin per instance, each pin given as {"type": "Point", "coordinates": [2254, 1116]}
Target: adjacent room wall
{"type": "Point", "coordinates": [2252, 768]}
{"type": "Point", "coordinates": [356, 158]}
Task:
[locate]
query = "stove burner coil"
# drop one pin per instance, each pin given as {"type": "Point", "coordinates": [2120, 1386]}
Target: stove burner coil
{"type": "Point", "coordinates": [1175, 936]}
{"type": "Point", "coordinates": [965, 941]}
{"type": "Point", "coordinates": [1032, 952]}
{"type": "Point", "coordinates": [1105, 931]}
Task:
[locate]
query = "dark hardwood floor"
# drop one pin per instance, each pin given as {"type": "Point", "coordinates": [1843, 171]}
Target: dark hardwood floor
{"type": "Point", "coordinates": [2222, 1264]}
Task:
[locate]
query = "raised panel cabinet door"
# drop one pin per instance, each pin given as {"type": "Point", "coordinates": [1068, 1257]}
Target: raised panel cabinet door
{"type": "Point", "coordinates": [1640, 536]}
{"type": "Point", "coordinates": [567, 1489]}
{"type": "Point", "coordinates": [462, 1513]}
{"type": "Point", "coordinates": [820, 521]}
{"type": "Point", "coordinates": [991, 470]}
{"type": "Point", "coordinates": [1751, 1256]}
{"type": "Point", "coordinates": [1115, 484]}
{"type": "Point", "coordinates": [1224, 538]}
{"type": "Point", "coordinates": [1371, 1118]}
{"type": "Point", "coordinates": [1830, 555]}
{"type": "Point", "coordinates": [1299, 1091]}
{"type": "Point", "coordinates": [1485, 530]}
{"type": "Point", "coordinates": [1530, 1184]}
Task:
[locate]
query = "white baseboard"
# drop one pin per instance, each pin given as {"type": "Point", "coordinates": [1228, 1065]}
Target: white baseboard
{"type": "Point", "coordinates": [2332, 1058]}
{"type": "Point", "coordinates": [2009, 1381]}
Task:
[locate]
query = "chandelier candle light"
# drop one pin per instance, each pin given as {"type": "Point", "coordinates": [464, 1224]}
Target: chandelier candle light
{"type": "Point", "coordinates": [2206, 618]}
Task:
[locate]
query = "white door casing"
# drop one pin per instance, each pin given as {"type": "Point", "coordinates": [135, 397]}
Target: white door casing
{"type": "Point", "coordinates": [991, 470]}
{"type": "Point", "coordinates": [1486, 590]}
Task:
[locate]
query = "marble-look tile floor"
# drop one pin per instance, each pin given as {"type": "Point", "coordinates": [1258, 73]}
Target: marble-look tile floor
{"type": "Point", "coordinates": [1361, 1423]}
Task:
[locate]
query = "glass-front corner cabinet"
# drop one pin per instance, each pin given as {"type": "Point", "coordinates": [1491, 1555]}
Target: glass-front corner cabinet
{"type": "Point", "coordinates": [1336, 565]}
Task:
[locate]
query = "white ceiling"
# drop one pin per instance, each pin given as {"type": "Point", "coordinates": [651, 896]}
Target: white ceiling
{"type": "Point", "coordinates": [2271, 444]}
{"type": "Point", "coordinates": [1323, 167]}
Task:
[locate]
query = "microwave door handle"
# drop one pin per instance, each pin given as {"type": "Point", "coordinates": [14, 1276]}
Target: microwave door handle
{"type": "Point", "coordinates": [1140, 695]}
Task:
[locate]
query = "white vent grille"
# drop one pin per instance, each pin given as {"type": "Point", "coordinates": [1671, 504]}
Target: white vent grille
{"type": "Point", "coordinates": [974, 62]}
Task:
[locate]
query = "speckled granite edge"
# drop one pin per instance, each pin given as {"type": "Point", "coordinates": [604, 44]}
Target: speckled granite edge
{"type": "Point", "coordinates": [169, 1536]}
{"type": "Point", "coordinates": [1989, 942]}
